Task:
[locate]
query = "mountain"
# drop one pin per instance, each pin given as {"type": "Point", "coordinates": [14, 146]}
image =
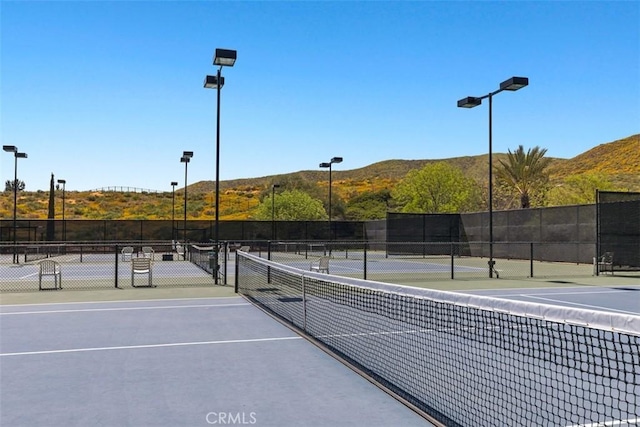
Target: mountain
{"type": "Point", "coordinates": [617, 161]}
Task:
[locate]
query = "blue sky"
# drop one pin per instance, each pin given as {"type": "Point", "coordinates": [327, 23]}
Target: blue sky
{"type": "Point", "coordinates": [110, 93]}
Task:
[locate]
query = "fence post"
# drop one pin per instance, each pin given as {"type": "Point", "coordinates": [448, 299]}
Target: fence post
{"type": "Point", "coordinates": [531, 259]}
{"type": "Point", "coordinates": [364, 260]}
{"type": "Point", "coordinates": [452, 261]}
{"type": "Point", "coordinates": [116, 251]}
{"type": "Point", "coordinates": [226, 257]}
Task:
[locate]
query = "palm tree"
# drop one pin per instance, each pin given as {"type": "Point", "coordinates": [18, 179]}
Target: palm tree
{"type": "Point", "coordinates": [524, 172]}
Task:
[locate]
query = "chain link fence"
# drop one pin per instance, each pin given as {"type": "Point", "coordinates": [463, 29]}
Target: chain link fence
{"type": "Point", "coordinates": [100, 265]}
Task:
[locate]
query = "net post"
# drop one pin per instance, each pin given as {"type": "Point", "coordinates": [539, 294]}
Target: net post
{"type": "Point", "coordinates": [235, 278]}
{"type": "Point", "coordinates": [269, 258]}
{"type": "Point", "coordinates": [304, 303]}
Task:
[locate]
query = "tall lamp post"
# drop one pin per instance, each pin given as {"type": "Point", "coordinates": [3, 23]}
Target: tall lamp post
{"type": "Point", "coordinates": [64, 223]}
{"type": "Point", "coordinates": [186, 158]}
{"type": "Point", "coordinates": [513, 84]}
{"type": "Point", "coordinates": [328, 165]}
{"type": "Point", "coordinates": [13, 149]}
{"type": "Point", "coordinates": [273, 210]}
{"type": "Point", "coordinates": [173, 210]}
{"type": "Point", "coordinates": [222, 58]}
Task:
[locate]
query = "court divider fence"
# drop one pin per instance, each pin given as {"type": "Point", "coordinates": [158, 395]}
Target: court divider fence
{"type": "Point", "coordinates": [101, 265]}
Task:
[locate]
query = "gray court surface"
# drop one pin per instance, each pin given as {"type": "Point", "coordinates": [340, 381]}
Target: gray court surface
{"type": "Point", "coordinates": [175, 362]}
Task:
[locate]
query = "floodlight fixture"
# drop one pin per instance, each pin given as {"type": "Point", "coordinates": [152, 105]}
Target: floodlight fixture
{"type": "Point", "coordinates": [514, 83]}
{"type": "Point", "coordinates": [225, 57]}
{"type": "Point", "coordinates": [469, 102]}
{"type": "Point", "coordinates": [328, 165]}
{"type": "Point", "coordinates": [16, 155]}
{"type": "Point", "coordinates": [211, 82]}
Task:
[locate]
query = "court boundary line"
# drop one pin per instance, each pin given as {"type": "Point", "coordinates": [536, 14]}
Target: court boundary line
{"type": "Point", "coordinates": [115, 301]}
{"type": "Point", "coordinates": [91, 310]}
{"type": "Point", "coordinates": [145, 346]}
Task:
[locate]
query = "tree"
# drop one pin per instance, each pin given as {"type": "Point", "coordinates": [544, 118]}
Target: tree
{"type": "Point", "coordinates": [291, 205]}
{"type": "Point", "coordinates": [8, 185]}
{"type": "Point", "coordinates": [51, 225]}
{"type": "Point", "coordinates": [437, 188]}
{"type": "Point", "coordinates": [524, 173]}
{"type": "Point", "coordinates": [368, 205]}
{"type": "Point", "coordinates": [578, 189]}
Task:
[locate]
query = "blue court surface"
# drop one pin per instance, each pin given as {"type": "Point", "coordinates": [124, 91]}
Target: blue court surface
{"type": "Point", "coordinates": [180, 362]}
{"type": "Point", "coordinates": [623, 299]}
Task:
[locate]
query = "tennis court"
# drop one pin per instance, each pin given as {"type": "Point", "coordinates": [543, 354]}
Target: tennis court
{"type": "Point", "coordinates": [175, 362]}
{"type": "Point", "coordinates": [151, 359]}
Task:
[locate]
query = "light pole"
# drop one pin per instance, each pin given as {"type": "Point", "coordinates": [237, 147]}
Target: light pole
{"type": "Point", "coordinates": [273, 210]}
{"type": "Point", "coordinates": [186, 158]}
{"type": "Point", "coordinates": [328, 165]}
{"type": "Point", "coordinates": [513, 84]}
{"type": "Point", "coordinates": [173, 210]}
{"type": "Point", "coordinates": [222, 58]}
{"type": "Point", "coordinates": [64, 223]}
{"type": "Point", "coordinates": [13, 149]}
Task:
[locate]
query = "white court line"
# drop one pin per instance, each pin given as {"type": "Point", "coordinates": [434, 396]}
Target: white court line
{"type": "Point", "coordinates": [133, 301]}
{"type": "Point", "coordinates": [577, 292]}
{"type": "Point", "coordinates": [629, 422]}
{"type": "Point", "coordinates": [20, 277]}
{"type": "Point", "coordinates": [91, 310]}
{"type": "Point", "coordinates": [563, 302]}
{"type": "Point", "coordinates": [135, 347]}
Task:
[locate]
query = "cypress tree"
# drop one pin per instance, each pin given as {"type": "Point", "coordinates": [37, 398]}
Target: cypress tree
{"type": "Point", "coordinates": [51, 223]}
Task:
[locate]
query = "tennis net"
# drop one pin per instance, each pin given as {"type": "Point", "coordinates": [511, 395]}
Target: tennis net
{"type": "Point", "coordinates": [203, 257]}
{"type": "Point", "coordinates": [463, 360]}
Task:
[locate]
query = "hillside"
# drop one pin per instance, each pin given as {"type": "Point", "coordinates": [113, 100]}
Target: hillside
{"type": "Point", "coordinates": [617, 161]}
